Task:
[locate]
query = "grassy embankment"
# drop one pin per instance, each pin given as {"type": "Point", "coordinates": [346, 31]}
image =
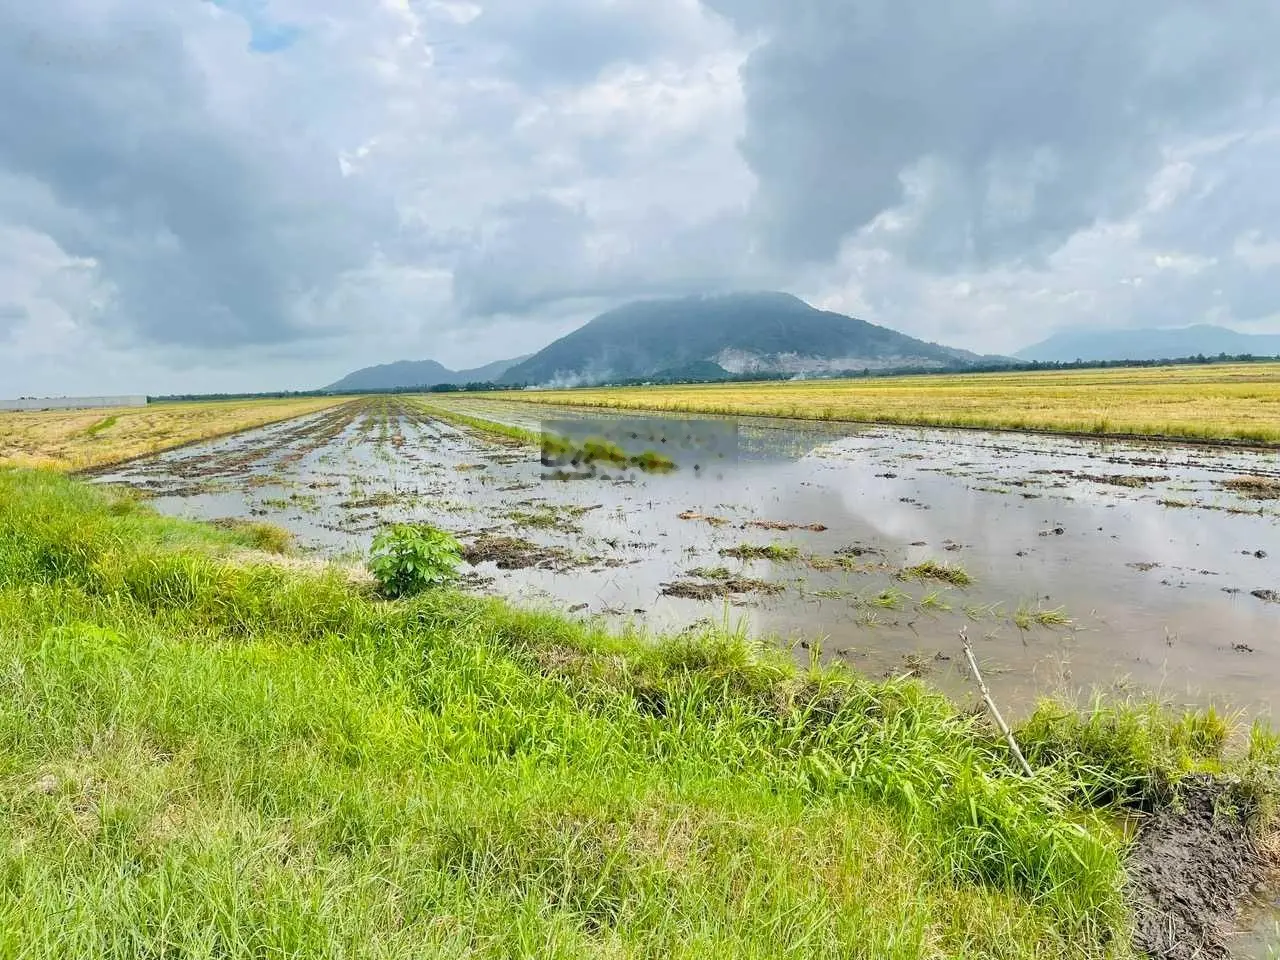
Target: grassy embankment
{"type": "Point", "coordinates": [82, 439]}
{"type": "Point", "coordinates": [205, 757]}
{"type": "Point", "coordinates": [1231, 402]}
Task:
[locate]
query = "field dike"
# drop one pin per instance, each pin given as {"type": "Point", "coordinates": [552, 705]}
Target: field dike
{"type": "Point", "coordinates": [215, 757]}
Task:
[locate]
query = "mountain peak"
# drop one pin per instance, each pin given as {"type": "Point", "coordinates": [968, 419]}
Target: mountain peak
{"type": "Point", "coordinates": [766, 331]}
{"type": "Point", "coordinates": [408, 374]}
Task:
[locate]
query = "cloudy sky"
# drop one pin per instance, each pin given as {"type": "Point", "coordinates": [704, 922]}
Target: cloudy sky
{"type": "Point", "coordinates": [255, 194]}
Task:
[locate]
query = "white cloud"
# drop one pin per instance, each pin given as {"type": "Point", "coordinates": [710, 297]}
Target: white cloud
{"type": "Point", "coordinates": [267, 193]}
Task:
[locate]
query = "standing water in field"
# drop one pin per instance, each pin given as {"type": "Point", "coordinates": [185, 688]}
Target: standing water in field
{"type": "Point", "coordinates": [1073, 564]}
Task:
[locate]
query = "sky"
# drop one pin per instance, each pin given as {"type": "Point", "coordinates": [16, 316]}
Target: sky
{"type": "Point", "coordinates": [266, 194]}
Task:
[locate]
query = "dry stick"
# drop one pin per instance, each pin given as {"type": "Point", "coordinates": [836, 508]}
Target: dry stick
{"type": "Point", "coordinates": [991, 704]}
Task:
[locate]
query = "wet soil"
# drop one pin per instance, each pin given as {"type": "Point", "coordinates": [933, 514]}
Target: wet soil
{"type": "Point", "coordinates": [720, 587]}
{"type": "Point", "coordinates": [516, 553]}
{"type": "Point", "coordinates": [1190, 870]}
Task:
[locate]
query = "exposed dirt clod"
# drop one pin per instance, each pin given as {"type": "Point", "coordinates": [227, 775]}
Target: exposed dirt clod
{"type": "Point", "coordinates": [514, 553]}
{"type": "Point", "coordinates": [1124, 479]}
{"type": "Point", "coordinates": [1253, 488]}
{"type": "Point", "coordinates": [713, 589]}
{"type": "Point", "coordinates": [1191, 868]}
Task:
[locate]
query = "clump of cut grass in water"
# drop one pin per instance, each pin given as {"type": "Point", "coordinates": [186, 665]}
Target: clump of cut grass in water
{"type": "Point", "coordinates": [932, 570]}
{"type": "Point", "coordinates": [982, 611]}
{"type": "Point", "coordinates": [373, 501]}
{"type": "Point", "coordinates": [1174, 503]}
{"type": "Point", "coordinates": [711, 573]}
{"type": "Point", "coordinates": [829, 593]}
{"type": "Point", "coordinates": [1025, 618]}
{"type": "Point", "coordinates": [888, 599]}
{"type": "Point", "coordinates": [934, 602]}
{"type": "Point", "coordinates": [1253, 487]}
{"type": "Point", "coordinates": [714, 589]}
{"type": "Point", "coordinates": [845, 562]}
{"type": "Point", "coordinates": [776, 552]}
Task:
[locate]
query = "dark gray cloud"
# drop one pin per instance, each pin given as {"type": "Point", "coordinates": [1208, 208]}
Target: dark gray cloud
{"type": "Point", "coordinates": [204, 228]}
{"type": "Point", "coordinates": [999, 127]}
{"type": "Point", "coordinates": [540, 252]}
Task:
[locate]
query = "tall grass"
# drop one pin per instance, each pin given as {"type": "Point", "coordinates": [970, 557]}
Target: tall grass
{"type": "Point", "coordinates": [210, 758]}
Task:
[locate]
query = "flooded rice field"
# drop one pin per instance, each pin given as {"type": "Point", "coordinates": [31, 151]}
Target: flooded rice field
{"type": "Point", "coordinates": [1074, 565]}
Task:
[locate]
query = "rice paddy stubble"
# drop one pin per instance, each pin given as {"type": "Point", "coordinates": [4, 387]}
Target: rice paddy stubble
{"type": "Point", "coordinates": [1213, 402]}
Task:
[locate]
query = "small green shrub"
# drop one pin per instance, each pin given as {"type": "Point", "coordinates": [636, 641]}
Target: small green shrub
{"type": "Point", "coordinates": [408, 559]}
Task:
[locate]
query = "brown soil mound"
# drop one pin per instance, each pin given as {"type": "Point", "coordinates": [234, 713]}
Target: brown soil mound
{"type": "Point", "coordinates": [514, 553]}
{"type": "Point", "coordinates": [1124, 479]}
{"type": "Point", "coordinates": [1255, 488]}
{"type": "Point", "coordinates": [714, 589]}
{"type": "Point", "coordinates": [1190, 870]}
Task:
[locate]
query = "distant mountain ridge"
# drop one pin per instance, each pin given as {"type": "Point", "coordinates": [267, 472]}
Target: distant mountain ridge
{"type": "Point", "coordinates": [407, 374]}
{"type": "Point", "coordinates": [742, 333]}
{"type": "Point", "coordinates": [1153, 344]}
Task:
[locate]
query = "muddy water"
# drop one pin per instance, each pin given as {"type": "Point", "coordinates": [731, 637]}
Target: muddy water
{"type": "Point", "coordinates": [1096, 565]}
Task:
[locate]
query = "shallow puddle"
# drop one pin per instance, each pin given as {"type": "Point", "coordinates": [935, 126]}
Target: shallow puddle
{"type": "Point", "coordinates": [1120, 567]}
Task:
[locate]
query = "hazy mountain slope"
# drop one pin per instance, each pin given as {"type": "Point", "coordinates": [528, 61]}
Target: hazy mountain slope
{"type": "Point", "coordinates": [419, 373]}
{"type": "Point", "coordinates": [743, 333]}
{"type": "Point", "coordinates": [490, 371]}
{"type": "Point", "coordinates": [1150, 344]}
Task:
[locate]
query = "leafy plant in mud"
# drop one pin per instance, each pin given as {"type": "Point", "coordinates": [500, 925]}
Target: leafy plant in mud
{"type": "Point", "coordinates": [408, 559]}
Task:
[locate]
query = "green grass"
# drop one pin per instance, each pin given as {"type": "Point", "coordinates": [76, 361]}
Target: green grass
{"type": "Point", "coordinates": [491, 427]}
{"type": "Point", "coordinates": [932, 570]}
{"type": "Point", "coordinates": [774, 552]}
{"type": "Point", "coordinates": [208, 757]}
{"type": "Point", "coordinates": [106, 423]}
{"type": "Point", "coordinates": [1025, 618]}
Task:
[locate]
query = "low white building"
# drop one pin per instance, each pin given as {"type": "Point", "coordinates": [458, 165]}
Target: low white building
{"type": "Point", "coordinates": [71, 403]}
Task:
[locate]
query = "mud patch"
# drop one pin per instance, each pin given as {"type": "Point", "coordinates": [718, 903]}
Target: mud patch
{"type": "Point", "coordinates": [515, 553]}
{"type": "Point", "coordinates": [1253, 488]}
{"type": "Point", "coordinates": [1191, 869]}
{"type": "Point", "coordinates": [720, 588]}
{"type": "Point", "coordinates": [705, 517]}
{"type": "Point", "coordinates": [780, 525]}
{"type": "Point", "coordinates": [1124, 479]}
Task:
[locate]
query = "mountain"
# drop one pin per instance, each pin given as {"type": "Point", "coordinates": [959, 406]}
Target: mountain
{"type": "Point", "coordinates": [406, 374]}
{"type": "Point", "coordinates": [1160, 344]}
{"type": "Point", "coordinates": [741, 332]}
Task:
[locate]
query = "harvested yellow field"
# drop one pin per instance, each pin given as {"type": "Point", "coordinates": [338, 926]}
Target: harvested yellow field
{"type": "Point", "coordinates": [81, 439]}
{"type": "Point", "coordinates": [1230, 402]}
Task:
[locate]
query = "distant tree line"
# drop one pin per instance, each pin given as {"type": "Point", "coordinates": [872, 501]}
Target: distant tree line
{"type": "Point", "coordinates": [481, 387]}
